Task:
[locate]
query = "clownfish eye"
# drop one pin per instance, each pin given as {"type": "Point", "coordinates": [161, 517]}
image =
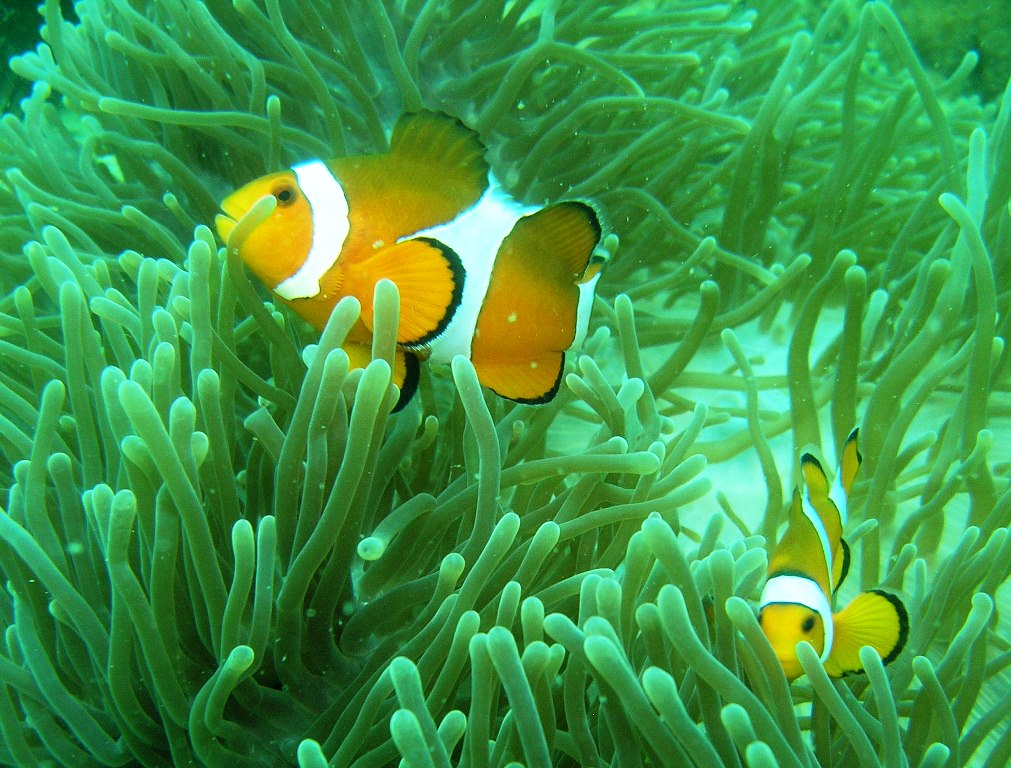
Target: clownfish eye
{"type": "Point", "coordinates": [285, 195]}
{"type": "Point", "coordinates": [808, 625]}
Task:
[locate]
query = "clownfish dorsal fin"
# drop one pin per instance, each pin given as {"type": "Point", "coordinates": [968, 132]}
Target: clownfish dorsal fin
{"type": "Point", "coordinates": [433, 172]}
{"type": "Point", "coordinates": [429, 276]}
{"type": "Point", "coordinates": [440, 156]}
{"type": "Point", "coordinates": [817, 485]}
{"type": "Point", "coordinates": [840, 564]}
{"type": "Point", "coordinates": [875, 618]}
{"type": "Point", "coordinates": [802, 550]}
{"type": "Point", "coordinates": [848, 465]}
{"type": "Point", "coordinates": [529, 315]}
{"type": "Point", "coordinates": [439, 139]}
{"type": "Point", "coordinates": [814, 477]}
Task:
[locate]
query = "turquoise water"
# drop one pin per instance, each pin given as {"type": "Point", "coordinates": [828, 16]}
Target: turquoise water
{"type": "Point", "coordinates": [222, 547]}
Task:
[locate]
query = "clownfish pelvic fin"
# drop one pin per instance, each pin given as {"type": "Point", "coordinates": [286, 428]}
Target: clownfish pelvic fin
{"type": "Point", "coordinates": [405, 368]}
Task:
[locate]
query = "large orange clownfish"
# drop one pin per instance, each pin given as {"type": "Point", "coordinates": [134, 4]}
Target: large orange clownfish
{"type": "Point", "coordinates": [507, 285]}
{"type": "Point", "coordinates": [807, 567]}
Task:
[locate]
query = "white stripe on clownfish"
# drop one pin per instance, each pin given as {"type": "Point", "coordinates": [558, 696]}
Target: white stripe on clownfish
{"type": "Point", "coordinates": [475, 235]}
{"type": "Point", "coordinates": [586, 292]}
{"type": "Point", "coordinates": [838, 496]}
{"type": "Point", "coordinates": [330, 228]}
{"type": "Point", "coordinates": [819, 527]}
{"type": "Point", "coordinates": [801, 590]}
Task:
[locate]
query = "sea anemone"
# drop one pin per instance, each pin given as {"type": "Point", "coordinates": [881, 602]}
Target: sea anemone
{"type": "Point", "coordinates": [222, 548]}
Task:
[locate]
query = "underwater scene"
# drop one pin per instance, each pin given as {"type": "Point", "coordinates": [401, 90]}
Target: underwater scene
{"type": "Point", "coordinates": [531, 383]}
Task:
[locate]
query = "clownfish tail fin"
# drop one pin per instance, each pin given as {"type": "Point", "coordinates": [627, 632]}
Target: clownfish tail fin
{"type": "Point", "coordinates": [568, 233]}
{"type": "Point", "coordinates": [875, 618]}
{"type": "Point", "coordinates": [429, 276]}
{"type": "Point", "coordinates": [531, 382]}
{"type": "Point", "coordinates": [531, 310]}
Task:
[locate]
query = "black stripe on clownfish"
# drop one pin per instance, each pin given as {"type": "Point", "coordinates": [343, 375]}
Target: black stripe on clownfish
{"type": "Point", "coordinates": [507, 285]}
{"type": "Point", "coordinates": [807, 567]}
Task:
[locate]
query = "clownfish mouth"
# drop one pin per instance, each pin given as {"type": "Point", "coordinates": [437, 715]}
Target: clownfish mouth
{"type": "Point", "coordinates": [230, 212]}
{"type": "Point", "coordinates": [224, 224]}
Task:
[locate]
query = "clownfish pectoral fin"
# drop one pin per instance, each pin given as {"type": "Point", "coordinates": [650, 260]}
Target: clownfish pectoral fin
{"type": "Point", "coordinates": [405, 368]}
{"type": "Point", "coordinates": [875, 618]}
{"type": "Point", "coordinates": [529, 381]}
{"type": "Point", "coordinates": [429, 277]}
{"type": "Point", "coordinates": [530, 311]}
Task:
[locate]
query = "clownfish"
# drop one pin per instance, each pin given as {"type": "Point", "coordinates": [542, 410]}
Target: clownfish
{"type": "Point", "coordinates": [507, 285]}
{"type": "Point", "coordinates": [807, 567]}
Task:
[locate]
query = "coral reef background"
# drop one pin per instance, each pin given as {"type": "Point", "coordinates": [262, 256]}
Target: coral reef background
{"type": "Point", "coordinates": [219, 546]}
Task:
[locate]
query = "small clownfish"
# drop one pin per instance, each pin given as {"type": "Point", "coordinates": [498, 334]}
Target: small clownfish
{"type": "Point", "coordinates": [807, 567]}
{"type": "Point", "coordinates": [507, 285]}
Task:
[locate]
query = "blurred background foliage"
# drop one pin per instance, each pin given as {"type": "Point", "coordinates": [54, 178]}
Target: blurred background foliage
{"type": "Point", "coordinates": [222, 549]}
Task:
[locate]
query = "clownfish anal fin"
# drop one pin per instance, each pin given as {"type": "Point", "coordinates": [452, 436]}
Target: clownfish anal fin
{"type": "Point", "coordinates": [875, 618]}
{"type": "Point", "coordinates": [840, 564]}
{"type": "Point", "coordinates": [429, 276]}
{"type": "Point", "coordinates": [406, 374]}
{"type": "Point", "coordinates": [528, 381]}
{"type": "Point", "coordinates": [405, 368]}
